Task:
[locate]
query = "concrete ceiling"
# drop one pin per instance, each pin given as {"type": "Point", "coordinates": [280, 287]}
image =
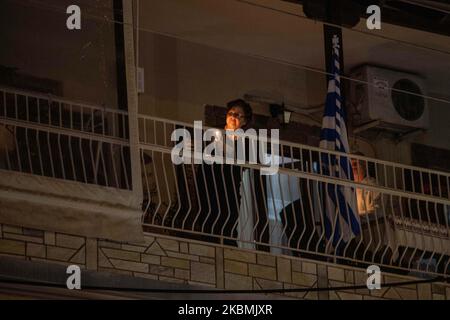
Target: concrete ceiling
{"type": "Point", "coordinates": [259, 28]}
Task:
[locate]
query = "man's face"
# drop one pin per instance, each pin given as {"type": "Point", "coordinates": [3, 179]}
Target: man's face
{"type": "Point", "coordinates": [235, 118]}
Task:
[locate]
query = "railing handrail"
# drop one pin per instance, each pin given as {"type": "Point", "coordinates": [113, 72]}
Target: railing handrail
{"type": "Point", "coordinates": [185, 124]}
{"type": "Point", "coordinates": [324, 178]}
{"type": "Point", "coordinates": [65, 131]}
{"type": "Point", "coordinates": [317, 149]}
{"type": "Point", "coordinates": [52, 97]}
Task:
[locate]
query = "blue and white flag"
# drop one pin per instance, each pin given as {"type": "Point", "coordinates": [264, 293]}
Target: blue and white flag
{"type": "Point", "coordinates": [341, 219]}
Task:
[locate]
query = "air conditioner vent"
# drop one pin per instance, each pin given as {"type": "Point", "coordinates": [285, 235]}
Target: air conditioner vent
{"type": "Point", "coordinates": [408, 100]}
{"type": "Point", "coordinates": [392, 100]}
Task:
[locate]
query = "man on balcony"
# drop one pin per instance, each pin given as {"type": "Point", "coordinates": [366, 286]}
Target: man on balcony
{"type": "Point", "coordinates": [376, 220]}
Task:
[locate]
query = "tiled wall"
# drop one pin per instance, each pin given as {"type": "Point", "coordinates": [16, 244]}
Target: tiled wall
{"type": "Point", "coordinates": [188, 261]}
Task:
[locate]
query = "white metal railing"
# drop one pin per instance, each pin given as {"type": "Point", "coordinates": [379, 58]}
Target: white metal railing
{"type": "Point", "coordinates": [405, 227]}
{"type": "Point", "coordinates": [54, 137]}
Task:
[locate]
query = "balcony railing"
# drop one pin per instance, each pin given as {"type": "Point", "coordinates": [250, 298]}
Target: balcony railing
{"type": "Point", "coordinates": [403, 211]}
{"type": "Point", "coordinates": [54, 137]}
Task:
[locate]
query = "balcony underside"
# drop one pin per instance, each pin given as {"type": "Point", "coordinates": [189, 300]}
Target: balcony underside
{"type": "Point", "coordinates": [65, 206]}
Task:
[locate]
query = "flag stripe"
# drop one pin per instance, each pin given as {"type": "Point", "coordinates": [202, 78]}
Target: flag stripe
{"type": "Point", "coordinates": [341, 219]}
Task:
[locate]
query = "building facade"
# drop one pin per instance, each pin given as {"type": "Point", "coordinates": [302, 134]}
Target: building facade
{"type": "Point", "coordinates": [86, 119]}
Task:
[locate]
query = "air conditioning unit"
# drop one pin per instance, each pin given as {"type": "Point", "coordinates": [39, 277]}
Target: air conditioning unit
{"type": "Point", "coordinates": [392, 99]}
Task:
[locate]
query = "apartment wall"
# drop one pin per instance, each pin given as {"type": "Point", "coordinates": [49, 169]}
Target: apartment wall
{"type": "Point", "coordinates": [181, 77]}
{"type": "Point", "coordinates": [214, 63]}
{"type": "Point", "coordinates": [170, 259]}
{"type": "Point", "coordinates": [36, 42]}
{"type": "Point", "coordinates": [438, 133]}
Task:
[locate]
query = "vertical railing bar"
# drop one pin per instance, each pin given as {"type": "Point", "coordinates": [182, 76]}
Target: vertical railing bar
{"type": "Point", "coordinates": [4, 104]}
{"type": "Point", "coordinates": [416, 241]}
{"type": "Point", "coordinates": [113, 161]}
{"type": "Point", "coordinates": [244, 197]}
{"type": "Point", "coordinates": [16, 112]}
{"type": "Point", "coordinates": [93, 161]}
{"type": "Point", "coordinates": [19, 160]}
{"type": "Point", "coordinates": [157, 190]}
{"type": "Point", "coordinates": [396, 251]}
{"type": "Point", "coordinates": [114, 119]}
{"type": "Point", "coordinates": [310, 161]}
{"type": "Point", "coordinates": [169, 205]}
{"type": "Point", "coordinates": [395, 176]}
{"type": "Point", "coordinates": [294, 213]}
{"type": "Point", "coordinates": [255, 211]}
{"type": "Point", "coordinates": [422, 189]}
{"type": "Point", "coordinates": [403, 220]}
{"type": "Point", "coordinates": [177, 193]}
{"type": "Point", "coordinates": [377, 227]}
{"type": "Point", "coordinates": [8, 161]}
{"type": "Point", "coordinates": [403, 179]}
{"type": "Point", "coordinates": [421, 226]}
{"type": "Point", "coordinates": [27, 108]}
{"type": "Point", "coordinates": [263, 192]}
{"type": "Point", "coordinates": [312, 212]}
{"type": "Point", "coordinates": [430, 181]}
{"type": "Point", "coordinates": [38, 110]}
{"type": "Point", "coordinates": [282, 204]}
{"type": "Point", "coordinates": [448, 187]}
{"type": "Point", "coordinates": [369, 228]}
{"type": "Point", "coordinates": [92, 121]}
{"type": "Point", "coordinates": [40, 153]}
{"type": "Point", "coordinates": [50, 155]}
{"type": "Point", "coordinates": [49, 112]}
{"type": "Point", "coordinates": [145, 130]}
{"type": "Point", "coordinates": [28, 150]}
{"type": "Point", "coordinates": [123, 127]}
{"type": "Point", "coordinates": [431, 232]}
{"type": "Point", "coordinates": [103, 122]}
{"type": "Point", "coordinates": [300, 150]}
{"type": "Point", "coordinates": [147, 187]}
{"type": "Point", "coordinates": [227, 201]}
{"type": "Point", "coordinates": [361, 226]}
{"type": "Point", "coordinates": [321, 212]}
{"type": "Point", "coordinates": [236, 197]}
{"type": "Point", "coordinates": [83, 164]}
{"type": "Point", "coordinates": [165, 135]}
{"type": "Point", "coordinates": [75, 178]}
{"type": "Point", "coordinates": [124, 166]}
{"type": "Point", "coordinates": [302, 214]}
{"type": "Point", "coordinates": [273, 206]}
{"type": "Point", "coordinates": [60, 114]}
{"type": "Point", "coordinates": [439, 185]}
{"type": "Point", "coordinates": [61, 157]}
{"type": "Point", "coordinates": [82, 117]}
{"type": "Point", "coordinates": [386, 226]}
{"type": "Point", "coordinates": [207, 198]}
{"type": "Point", "coordinates": [440, 235]}
{"type": "Point", "coordinates": [102, 158]}
{"type": "Point", "coordinates": [377, 178]}
{"type": "Point", "coordinates": [154, 131]}
{"type": "Point", "coordinates": [188, 197]}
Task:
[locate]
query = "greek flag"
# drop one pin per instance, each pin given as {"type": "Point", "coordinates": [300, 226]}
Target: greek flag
{"type": "Point", "coordinates": [341, 220]}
